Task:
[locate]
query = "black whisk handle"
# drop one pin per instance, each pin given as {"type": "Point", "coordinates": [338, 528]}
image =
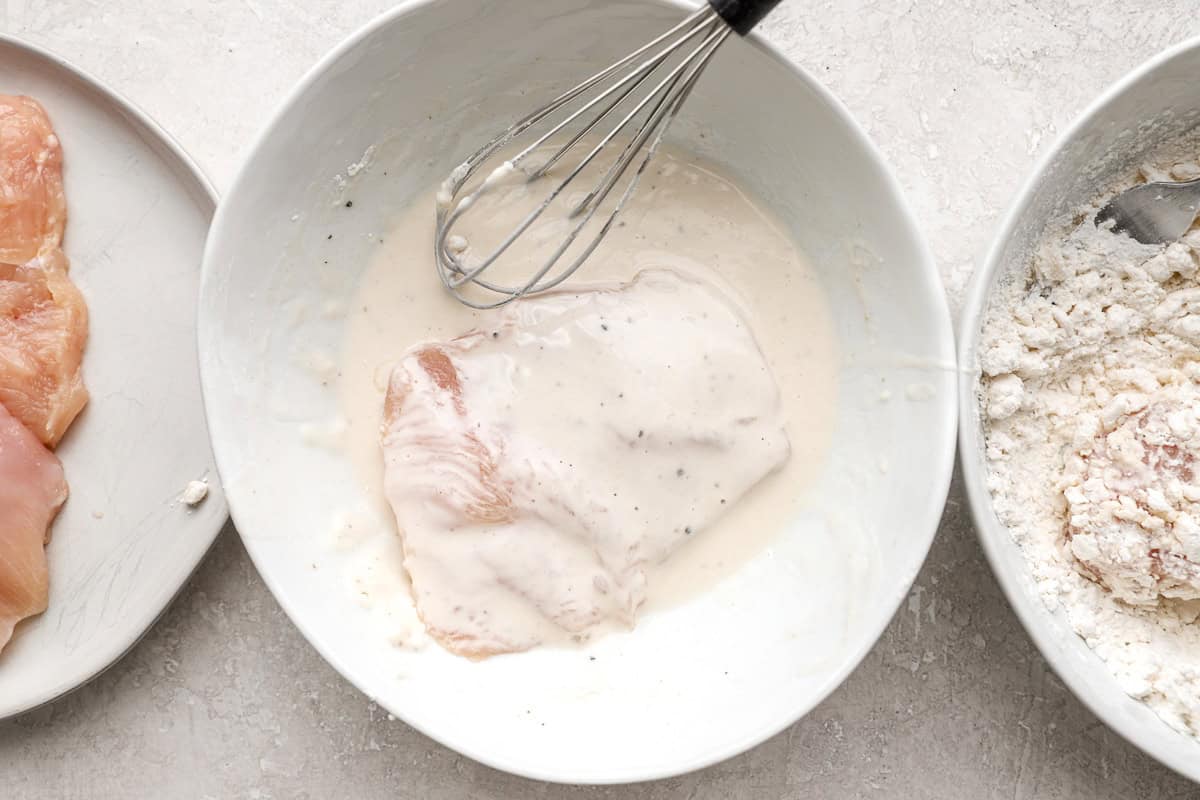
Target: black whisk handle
{"type": "Point", "coordinates": [743, 15]}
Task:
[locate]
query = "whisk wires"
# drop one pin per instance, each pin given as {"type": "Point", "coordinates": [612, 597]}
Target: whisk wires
{"type": "Point", "coordinates": [632, 101]}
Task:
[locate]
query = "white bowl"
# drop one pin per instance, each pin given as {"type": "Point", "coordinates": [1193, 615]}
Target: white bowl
{"type": "Point", "coordinates": [1156, 102]}
{"type": "Point", "coordinates": [415, 91]}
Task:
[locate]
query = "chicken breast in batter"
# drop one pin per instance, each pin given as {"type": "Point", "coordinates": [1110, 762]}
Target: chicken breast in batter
{"type": "Point", "coordinates": [537, 468]}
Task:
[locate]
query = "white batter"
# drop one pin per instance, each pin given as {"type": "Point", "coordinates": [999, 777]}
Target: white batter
{"type": "Point", "coordinates": [685, 218]}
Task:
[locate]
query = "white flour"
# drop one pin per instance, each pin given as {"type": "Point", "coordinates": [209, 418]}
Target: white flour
{"type": "Point", "coordinates": [1091, 398]}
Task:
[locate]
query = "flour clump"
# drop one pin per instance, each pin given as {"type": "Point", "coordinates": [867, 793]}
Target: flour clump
{"type": "Point", "coordinates": [1090, 394]}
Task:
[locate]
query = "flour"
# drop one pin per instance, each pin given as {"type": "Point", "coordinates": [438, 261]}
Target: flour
{"type": "Point", "coordinates": [1091, 399]}
{"type": "Point", "coordinates": [193, 494]}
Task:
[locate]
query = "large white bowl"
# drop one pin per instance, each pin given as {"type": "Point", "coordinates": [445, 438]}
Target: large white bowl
{"type": "Point", "coordinates": [1156, 102]}
{"type": "Point", "coordinates": [416, 90]}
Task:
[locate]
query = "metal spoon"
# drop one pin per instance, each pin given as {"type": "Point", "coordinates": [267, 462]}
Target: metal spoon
{"type": "Point", "coordinates": [1154, 213]}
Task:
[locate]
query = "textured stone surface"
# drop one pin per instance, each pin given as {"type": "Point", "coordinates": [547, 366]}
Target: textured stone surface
{"type": "Point", "coordinates": [225, 699]}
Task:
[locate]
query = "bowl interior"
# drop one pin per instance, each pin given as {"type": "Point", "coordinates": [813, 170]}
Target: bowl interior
{"type": "Point", "coordinates": [386, 117]}
{"type": "Point", "coordinates": [1156, 104]}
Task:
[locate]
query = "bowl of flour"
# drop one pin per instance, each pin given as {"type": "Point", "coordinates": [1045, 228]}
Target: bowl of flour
{"type": "Point", "coordinates": [1080, 403]}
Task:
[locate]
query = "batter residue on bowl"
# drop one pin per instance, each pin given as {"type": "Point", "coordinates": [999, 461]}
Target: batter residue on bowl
{"type": "Point", "coordinates": [678, 365]}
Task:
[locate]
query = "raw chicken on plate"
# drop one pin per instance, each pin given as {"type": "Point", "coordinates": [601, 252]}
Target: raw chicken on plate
{"type": "Point", "coordinates": [43, 330]}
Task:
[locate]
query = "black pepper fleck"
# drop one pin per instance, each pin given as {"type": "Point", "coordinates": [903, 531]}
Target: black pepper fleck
{"type": "Point", "coordinates": [330, 236]}
{"type": "Point", "coordinates": [349, 204]}
{"type": "Point", "coordinates": [688, 530]}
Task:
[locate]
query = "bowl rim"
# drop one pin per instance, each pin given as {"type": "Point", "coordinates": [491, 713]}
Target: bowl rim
{"type": "Point", "coordinates": [926, 524]}
{"type": "Point", "coordinates": [992, 534]}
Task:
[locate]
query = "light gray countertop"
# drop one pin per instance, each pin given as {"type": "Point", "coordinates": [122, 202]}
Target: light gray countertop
{"type": "Point", "coordinates": [225, 699]}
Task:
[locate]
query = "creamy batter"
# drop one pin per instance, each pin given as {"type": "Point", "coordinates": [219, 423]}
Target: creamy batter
{"type": "Point", "coordinates": [685, 218]}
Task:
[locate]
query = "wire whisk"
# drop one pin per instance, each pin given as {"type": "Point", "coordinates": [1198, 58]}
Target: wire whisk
{"type": "Point", "coordinates": [639, 96]}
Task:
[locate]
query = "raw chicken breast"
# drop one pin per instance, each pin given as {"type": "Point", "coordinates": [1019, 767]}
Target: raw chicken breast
{"type": "Point", "coordinates": [43, 328]}
{"type": "Point", "coordinates": [32, 489]}
{"type": "Point", "coordinates": [43, 319]}
{"type": "Point", "coordinates": [32, 207]}
{"type": "Point", "coordinates": [538, 468]}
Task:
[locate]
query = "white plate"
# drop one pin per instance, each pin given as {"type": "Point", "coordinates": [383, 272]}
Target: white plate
{"type": "Point", "coordinates": [138, 210]}
{"type": "Point", "coordinates": [413, 91]}
{"type": "Point", "coordinates": [1148, 107]}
